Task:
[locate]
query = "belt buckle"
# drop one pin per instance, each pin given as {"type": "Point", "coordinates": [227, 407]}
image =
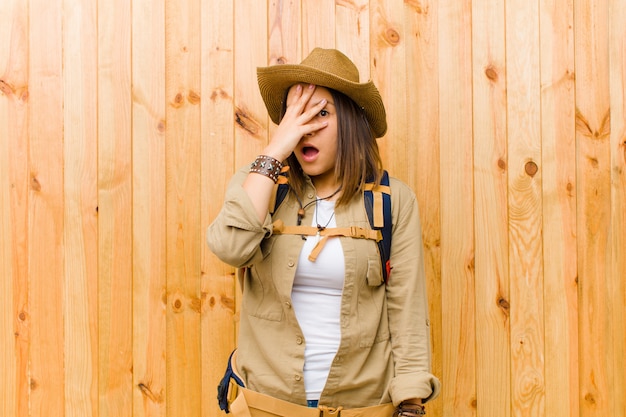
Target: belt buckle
{"type": "Point", "coordinates": [330, 411]}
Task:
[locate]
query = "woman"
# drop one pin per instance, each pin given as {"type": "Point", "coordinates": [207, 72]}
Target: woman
{"type": "Point", "coordinates": [321, 326]}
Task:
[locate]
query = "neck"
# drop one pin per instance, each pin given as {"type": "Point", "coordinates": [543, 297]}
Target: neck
{"type": "Point", "coordinates": [327, 190]}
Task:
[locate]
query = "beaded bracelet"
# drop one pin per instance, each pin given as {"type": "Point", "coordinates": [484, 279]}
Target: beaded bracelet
{"type": "Point", "coordinates": [267, 166]}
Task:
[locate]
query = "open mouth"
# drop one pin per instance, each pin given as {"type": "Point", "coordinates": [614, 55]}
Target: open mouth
{"type": "Point", "coordinates": [309, 153]}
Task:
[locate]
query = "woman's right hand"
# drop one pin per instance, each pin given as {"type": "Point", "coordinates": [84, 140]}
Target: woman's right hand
{"type": "Point", "coordinates": [298, 121]}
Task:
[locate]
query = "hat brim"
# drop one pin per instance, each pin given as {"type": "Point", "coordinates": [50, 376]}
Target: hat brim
{"type": "Point", "coordinates": [276, 79]}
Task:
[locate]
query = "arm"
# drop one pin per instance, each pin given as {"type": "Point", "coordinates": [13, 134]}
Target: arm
{"type": "Point", "coordinates": [243, 222]}
{"type": "Point", "coordinates": [296, 123]}
{"type": "Point", "coordinates": [407, 304]}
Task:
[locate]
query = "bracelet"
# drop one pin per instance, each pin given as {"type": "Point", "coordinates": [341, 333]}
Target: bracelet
{"type": "Point", "coordinates": [409, 410]}
{"type": "Point", "coordinates": [267, 166]}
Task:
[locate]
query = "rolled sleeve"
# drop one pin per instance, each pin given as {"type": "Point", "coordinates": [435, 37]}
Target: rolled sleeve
{"type": "Point", "coordinates": [408, 306]}
{"type": "Point", "coordinates": [236, 233]}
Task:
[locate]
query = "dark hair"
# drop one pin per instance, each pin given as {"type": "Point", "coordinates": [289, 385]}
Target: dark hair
{"type": "Point", "coordinates": [358, 157]}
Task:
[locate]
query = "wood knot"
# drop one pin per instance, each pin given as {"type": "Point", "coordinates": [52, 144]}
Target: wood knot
{"type": "Point", "coordinates": [193, 97]}
{"type": "Point", "coordinates": [177, 305]}
{"type": "Point", "coordinates": [504, 305]}
{"type": "Point", "coordinates": [21, 316]}
{"type": "Point", "coordinates": [531, 168]}
{"type": "Point", "coordinates": [33, 384]}
{"type": "Point", "coordinates": [590, 399]}
{"type": "Point", "coordinates": [501, 164]}
{"type": "Point", "coordinates": [392, 36]}
{"type": "Point", "coordinates": [281, 60]}
{"type": "Point", "coordinates": [417, 6]}
{"type": "Point", "coordinates": [6, 88]}
{"type": "Point", "coordinates": [161, 126]}
{"type": "Point", "coordinates": [228, 303]}
{"type": "Point", "coordinates": [147, 392]}
{"type": "Point", "coordinates": [246, 122]}
{"type": "Point", "coordinates": [218, 92]}
{"type": "Point", "coordinates": [34, 184]}
{"type": "Point", "coordinates": [178, 100]}
{"type": "Point", "coordinates": [491, 73]}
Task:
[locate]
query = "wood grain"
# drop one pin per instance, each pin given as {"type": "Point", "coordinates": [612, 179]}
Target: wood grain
{"type": "Point", "coordinates": [422, 144]}
{"type": "Point", "coordinates": [493, 298]}
{"type": "Point", "coordinates": [115, 208]}
{"type": "Point", "coordinates": [46, 263]}
{"type": "Point", "coordinates": [617, 270]}
{"type": "Point", "coordinates": [183, 167]}
{"type": "Point", "coordinates": [457, 211]}
{"type": "Point", "coordinates": [559, 207]}
{"type": "Point", "coordinates": [149, 208]}
{"type": "Point", "coordinates": [218, 296]}
{"type": "Point", "coordinates": [14, 192]}
{"type": "Point", "coordinates": [80, 238]}
{"type": "Point", "coordinates": [593, 205]}
{"type": "Point", "coordinates": [525, 210]}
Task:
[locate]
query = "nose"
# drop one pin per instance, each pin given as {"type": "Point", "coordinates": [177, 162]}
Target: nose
{"type": "Point", "coordinates": [309, 134]}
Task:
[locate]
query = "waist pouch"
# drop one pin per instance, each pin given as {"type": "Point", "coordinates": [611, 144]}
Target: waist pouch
{"type": "Point", "coordinates": [234, 398]}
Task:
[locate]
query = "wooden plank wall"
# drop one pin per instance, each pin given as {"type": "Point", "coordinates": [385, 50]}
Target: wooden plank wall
{"type": "Point", "coordinates": [122, 121]}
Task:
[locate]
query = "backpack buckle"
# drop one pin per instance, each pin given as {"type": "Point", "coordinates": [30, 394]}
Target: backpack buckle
{"type": "Point", "coordinates": [330, 411]}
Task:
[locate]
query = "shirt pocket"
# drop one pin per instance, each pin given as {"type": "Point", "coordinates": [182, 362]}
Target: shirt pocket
{"type": "Point", "coordinates": [374, 272]}
{"type": "Point", "coordinates": [259, 295]}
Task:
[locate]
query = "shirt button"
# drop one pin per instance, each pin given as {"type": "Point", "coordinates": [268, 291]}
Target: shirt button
{"type": "Point", "coordinates": [297, 377]}
{"type": "Point", "coordinates": [310, 195]}
{"type": "Point", "coordinates": [287, 304]}
{"type": "Point", "coordinates": [299, 340]}
{"type": "Point", "coordinates": [290, 264]}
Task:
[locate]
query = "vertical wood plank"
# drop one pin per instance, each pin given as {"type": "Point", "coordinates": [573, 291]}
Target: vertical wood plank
{"type": "Point", "coordinates": [251, 118]}
{"type": "Point", "coordinates": [115, 278]}
{"type": "Point", "coordinates": [388, 43]}
{"type": "Point", "coordinates": [182, 80]}
{"type": "Point", "coordinates": [456, 199]}
{"type": "Point", "coordinates": [315, 34]}
{"type": "Point", "coordinates": [559, 207]}
{"type": "Point", "coordinates": [617, 269]}
{"type": "Point", "coordinates": [45, 233]}
{"type": "Point", "coordinates": [352, 29]}
{"type": "Point", "coordinates": [14, 318]}
{"type": "Point", "coordinates": [149, 208]}
{"type": "Point", "coordinates": [525, 204]}
{"type": "Point", "coordinates": [285, 40]}
{"type": "Point", "coordinates": [493, 373]}
{"type": "Point", "coordinates": [80, 239]}
{"type": "Point", "coordinates": [218, 155]}
{"type": "Point", "coordinates": [284, 37]}
{"type": "Point", "coordinates": [594, 204]}
{"type": "Point", "coordinates": [423, 170]}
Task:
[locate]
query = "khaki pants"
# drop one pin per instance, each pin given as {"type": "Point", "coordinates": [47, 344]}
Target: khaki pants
{"type": "Point", "coordinates": [250, 403]}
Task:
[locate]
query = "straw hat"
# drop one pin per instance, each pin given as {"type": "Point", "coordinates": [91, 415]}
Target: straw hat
{"type": "Point", "coordinates": [327, 68]}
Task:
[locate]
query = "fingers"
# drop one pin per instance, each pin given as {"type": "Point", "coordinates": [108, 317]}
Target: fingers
{"type": "Point", "coordinates": [301, 100]}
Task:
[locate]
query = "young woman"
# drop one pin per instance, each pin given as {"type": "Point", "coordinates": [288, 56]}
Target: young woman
{"type": "Point", "coordinates": [323, 324]}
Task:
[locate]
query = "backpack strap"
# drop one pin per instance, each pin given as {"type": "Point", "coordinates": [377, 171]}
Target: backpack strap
{"type": "Point", "coordinates": [377, 200]}
{"type": "Point", "coordinates": [355, 232]}
{"type": "Point", "coordinates": [378, 208]}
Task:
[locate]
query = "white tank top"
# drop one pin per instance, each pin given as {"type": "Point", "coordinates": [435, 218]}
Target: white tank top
{"type": "Point", "coordinates": [316, 299]}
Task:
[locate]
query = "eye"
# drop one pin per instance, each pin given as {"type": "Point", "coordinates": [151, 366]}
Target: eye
{"type": "Point", "coordinates": [324, 113]}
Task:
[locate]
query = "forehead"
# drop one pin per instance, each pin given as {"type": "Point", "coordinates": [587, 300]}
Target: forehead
{"type": "Point", "coordinates": [318, 94]}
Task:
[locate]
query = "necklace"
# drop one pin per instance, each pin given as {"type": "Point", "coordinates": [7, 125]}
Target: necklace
{"type": "Point", "coordinates": [302, 209]}
{"type": "Point", "coordinates": [319, 226]}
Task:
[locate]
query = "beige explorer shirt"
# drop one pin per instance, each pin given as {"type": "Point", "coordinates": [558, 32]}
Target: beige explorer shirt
{"type": "Point", "coordinates": [384, 354]}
